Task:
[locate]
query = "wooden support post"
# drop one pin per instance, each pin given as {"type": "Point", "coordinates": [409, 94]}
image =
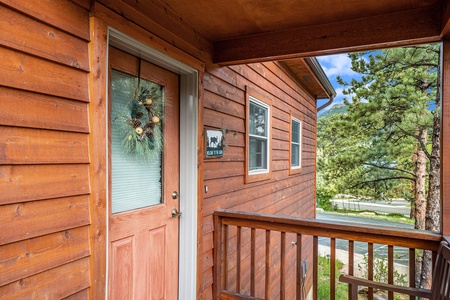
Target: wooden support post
{"type": "Point", "coordinates": [445, 137]}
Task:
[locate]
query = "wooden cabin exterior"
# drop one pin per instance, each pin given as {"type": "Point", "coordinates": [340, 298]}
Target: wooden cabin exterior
{"type": "Point", "coordinates": [60, 237]}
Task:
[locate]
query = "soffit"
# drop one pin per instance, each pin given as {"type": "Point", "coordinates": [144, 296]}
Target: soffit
{"type": "Point", "coordinates": [226, 19]}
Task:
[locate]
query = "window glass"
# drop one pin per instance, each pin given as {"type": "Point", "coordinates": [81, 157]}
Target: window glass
{"type": "Point", "coordinates": [258, 136]}
{"type": "Point", "coordinates": [295, 143]}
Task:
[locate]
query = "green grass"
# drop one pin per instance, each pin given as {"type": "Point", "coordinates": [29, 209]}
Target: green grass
{"type": "Point", "coordinates": [392, 217]}
{"type": "Point", "coordinates": [324, 280]}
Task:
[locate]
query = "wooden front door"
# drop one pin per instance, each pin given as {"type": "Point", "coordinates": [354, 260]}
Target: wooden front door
{"type": "Point", "coordinates": [144, 180]}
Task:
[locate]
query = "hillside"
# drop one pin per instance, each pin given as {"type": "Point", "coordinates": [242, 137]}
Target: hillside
{"type": "Point", "coordinates": [338, 108]}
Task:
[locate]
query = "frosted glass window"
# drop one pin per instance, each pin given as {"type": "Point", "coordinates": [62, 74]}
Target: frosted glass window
{"type": "Point", "coordinates": [296, 138]}
{"type": "Point", "coordinates": [258, 136]}
{"type": "Point", "coordinates": [136, 183]}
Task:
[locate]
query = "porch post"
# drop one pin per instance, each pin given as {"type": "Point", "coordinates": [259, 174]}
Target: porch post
{"type": "Point", "coordinates": [445, 138]}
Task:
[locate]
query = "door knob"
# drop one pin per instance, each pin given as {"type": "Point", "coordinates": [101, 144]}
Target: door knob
{"type": "Point", "coordinates": [176, 213]}
{"type": "Point", "coordinates": [174, 195]}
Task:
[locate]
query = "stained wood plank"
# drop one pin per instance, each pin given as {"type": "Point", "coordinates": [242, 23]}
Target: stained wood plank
{"type": "Point", "coordinates": [28, 35]}
{"type": "Point", "coordinates": [33, 74]}
{"type": "Point", "coordinates": [97, 145]}
{"type": "Point", "coordinates": [332, 268]}
{"type": "Point", "coordinates": [223, 121]}
{"type": "Point", "coordinates": [252, 263]}
{"type": "Point", "coordinates": [62, 14]}
{"type": "Point", "coordinates": [392, 30]}
{"type": "Point", "coordinates": [160, 19]}
{"type": "Point", "coordinates": [48, 112]}
{"type": "Point", "coordinates": [86, 4]}
{"type": "Point", "coordinates": [390, 270]}
{"type": "Point", "coordinates": [238, 259]}
{"type": "Point", "coordinates": [445, 137]}
{"type": "Point", "coordinates": [36, 255]}
{"type": "Point", "coordinates": [268, 265]}
{"type": "Point", "coordinates": [139, 33]}
{"type": "Point", "coordinates": [31, 219]}
{"type": "Point", "coordinates": [37, 146]}
{"type": "Point", "coordinates": [56, 283]}
{"type": "Point", "coordinates": [27, 183]}
{"type": "Point", "coordinates": [81, 295]}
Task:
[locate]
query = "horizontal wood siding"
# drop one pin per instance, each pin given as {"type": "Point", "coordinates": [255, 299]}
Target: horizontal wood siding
{"type": "Point", "coordinates": [293, 195]}
{"type": "Point", "coordinates": [44, 150]}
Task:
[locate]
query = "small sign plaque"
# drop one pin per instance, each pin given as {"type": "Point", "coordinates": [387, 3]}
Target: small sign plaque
{"type": "Point", "coordinates": [214, 143]}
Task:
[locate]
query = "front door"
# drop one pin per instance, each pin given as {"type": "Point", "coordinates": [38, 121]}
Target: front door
{"type": "Point", "coordinates": [144, 179]}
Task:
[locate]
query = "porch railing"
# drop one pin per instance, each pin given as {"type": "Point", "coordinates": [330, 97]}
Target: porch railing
{"type": "Point", "coordinates": [258, 256]}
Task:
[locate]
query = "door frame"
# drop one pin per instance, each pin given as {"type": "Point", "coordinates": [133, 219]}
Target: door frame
{"type": "Point", "coordinates": [187, 258]}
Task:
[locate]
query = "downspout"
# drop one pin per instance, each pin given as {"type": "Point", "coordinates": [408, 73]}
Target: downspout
{"type": "Point", "coordinates": [330, 100]}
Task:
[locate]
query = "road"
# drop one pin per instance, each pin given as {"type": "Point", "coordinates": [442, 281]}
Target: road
{"type": "Point", "coordinates": [380, 251]}
{"type": "Point", "coordinates": [395, 206]}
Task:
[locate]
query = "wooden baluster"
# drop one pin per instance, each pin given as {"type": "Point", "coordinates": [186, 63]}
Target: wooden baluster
{"type": "Point", "coordinates": [333, 269]}
{"type": "Point", "coordinates": [219, 254]}
{"type": "Point", "coordinates": [412, 270]}
{"type": "Point", "coordinates": [315, 267]}
{"type": "Point", "coordinates": [238, 260]}
{"type": "Point", "coordinates": [252, 262]}
{"type": "Point", "coordinates": [391, 270]}
{"type": "Point", "coordinates": [351, 261]}
{"type": "Point", "coordinates": [267, 281]}
{"type": "Point", "coordinates": [370, 266]}
{"type": "Point", "coordinates": [224, 283]}
{"type": "Point", "coordinates": [300, 274]}
{"type": "Point", "coordinates": [283, 266]}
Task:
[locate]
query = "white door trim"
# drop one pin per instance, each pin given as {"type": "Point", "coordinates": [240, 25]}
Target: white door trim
{"type": "Point", "coordinates": [188, 155]}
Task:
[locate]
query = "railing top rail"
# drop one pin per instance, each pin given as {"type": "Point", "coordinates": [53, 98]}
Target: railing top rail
{"type": "Point", "coordinates": [342, 230]}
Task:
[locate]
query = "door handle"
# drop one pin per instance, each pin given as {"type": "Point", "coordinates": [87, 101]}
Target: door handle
{"type": "Point", "coordinates": [176, 213]}
{"type": "Point", "coordinates": [174, 195]}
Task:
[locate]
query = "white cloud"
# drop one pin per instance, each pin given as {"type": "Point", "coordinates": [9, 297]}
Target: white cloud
{"type": "Point", "coordinates": [339, 64]}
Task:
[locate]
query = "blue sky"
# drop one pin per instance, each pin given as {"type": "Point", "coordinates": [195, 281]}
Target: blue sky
{"type": "Point", "coordinates": [333, 66]}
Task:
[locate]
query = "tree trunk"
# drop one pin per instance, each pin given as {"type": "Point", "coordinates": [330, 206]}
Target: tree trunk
{"type": "Point", "coordinates": [420, 161]}
{"type": "Point", "coordinates": [420, 188]}
{"type": "Point", "coordinates": [433, 214]}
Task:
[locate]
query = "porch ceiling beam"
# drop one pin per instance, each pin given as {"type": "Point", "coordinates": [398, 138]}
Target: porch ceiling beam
{"type": "Point", "coordinates": [446, 20]}
{"type": "Point", "coordinates": [392, 30]}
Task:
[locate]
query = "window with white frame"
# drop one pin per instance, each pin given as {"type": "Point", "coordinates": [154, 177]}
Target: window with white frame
{"type": "Point", "coordinates": [296, 143]}
{"type": "Point", "coordinates": [258, 136]}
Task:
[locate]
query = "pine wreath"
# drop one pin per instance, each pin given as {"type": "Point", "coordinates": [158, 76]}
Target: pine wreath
{"type": "Point", "coordinates": [140, 122]}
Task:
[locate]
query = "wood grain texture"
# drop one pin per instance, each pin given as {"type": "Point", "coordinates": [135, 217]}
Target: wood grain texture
{"type": "Point", "coordinates": [37, 146]}
{"type": "Point", "coordinates": [98, 111]}
{"type": "Point", "coordinates": [62, 14]}
{"type": "Point", "coordinates": [27, 220]}
{"type": "Point", "coordinates": [36, 255]}
{"type": "Point", "coordinates": [42, 40]}
{"type": "Point", "coordinates": [43, 111]}
{"type": "Point", "coordinates": [375, 32]}
{"type": "Point", "coordinates": [164, 45]}
{"type": "Point", "coordinates": [81, 295]}
{"type": "Point", "coordinates": [56, 283]}
{"type": "Point", "coordinates": [28, 183]}
{"type": "Point", "coordinates": [445, 138]}
{"type": "Point", "coordinates": [33, 74]}
{"type": "Point", "coordinates": [159, 19]}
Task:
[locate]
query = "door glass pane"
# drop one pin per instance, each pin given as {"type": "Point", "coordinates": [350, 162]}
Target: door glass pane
{"type": "Point", "coordinates": [136, 143]}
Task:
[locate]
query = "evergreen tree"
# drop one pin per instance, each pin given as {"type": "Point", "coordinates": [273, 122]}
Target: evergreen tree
{"type": "Point", "coordinates": [388, 142]}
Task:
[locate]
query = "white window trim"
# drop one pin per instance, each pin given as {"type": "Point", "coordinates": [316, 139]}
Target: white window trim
{"type": "Point", "coordinates": [293, 119]}
{"type": "Point", "coordinates": [268, 147]}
